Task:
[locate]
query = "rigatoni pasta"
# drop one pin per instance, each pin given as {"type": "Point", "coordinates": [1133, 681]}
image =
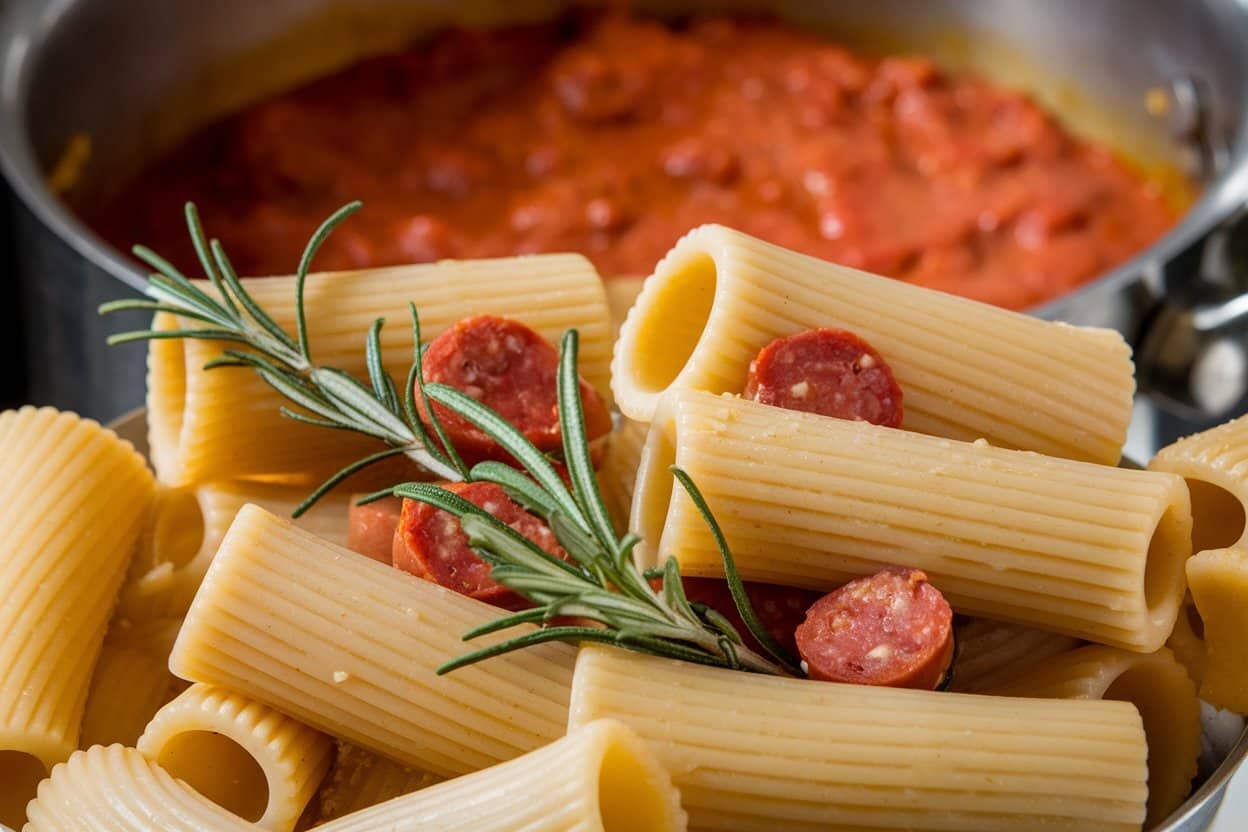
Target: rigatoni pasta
{"type": "Point", "coordinates": [991, 653]}
{"type": "Point", "coordinates": [116, 789]}
{"type": "Point", "coordinates": [601, 777]}
{"type": "Point", "coordinates": [246, 757]}
{"type": "Point", "coordinates": [349, 646]}
{"type": "Point", "coordinates": [195, 414]}
{"type": "Point", "coordinates": [1219, 583]}
{"type": "Point", "coordinates": [188, 525]}
{"type": "Point", "coordinates": [968, 370]}
{"type": "Point", "coordinates": [1215, 464]}
{"type": "Point", "coordinates": [128, 687]}
{"type": "Point", "coordinates": [761, 753]}
{"type": "Point", "coordinates": [805, 500]}
{"type": "Point", "coordinates": [73, 498]}
{"type": "Point", "coordinates": [1159, 688]}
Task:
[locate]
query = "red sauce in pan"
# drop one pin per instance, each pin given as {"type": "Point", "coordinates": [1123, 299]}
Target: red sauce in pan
{"type": "Point", "coordinates": [612, 136]}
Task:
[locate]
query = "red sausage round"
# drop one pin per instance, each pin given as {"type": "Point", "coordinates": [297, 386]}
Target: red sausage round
{"type": "Point", "coordinates": [892, 628]}
{"type": "Point", "coordinates": [780, 609]}
{"type": "Point", "coordinates": [512, 369]}
{"type": "Point", "coordinates": [370, 527]}
{"type": "Point", "coordinates": [826, 371]}
{"type": "Point", "coordinates": [430, 544]}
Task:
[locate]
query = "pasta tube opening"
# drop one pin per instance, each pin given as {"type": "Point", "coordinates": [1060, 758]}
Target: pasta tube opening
{"type": "Point", "coordinates": [662, 331]}
{"type": "Point", "coordinates": [218, 768]}
{"type": "Point", "coordinates": [1217, 516]}
{"type": "Point", "coordinates": [633, 795]}
{"type": "Point", "coordinates": [1168, 549]}
{"type": "Point", "coordinates": [20, 774]}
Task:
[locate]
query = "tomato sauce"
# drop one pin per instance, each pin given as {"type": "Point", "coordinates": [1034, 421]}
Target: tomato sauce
{"type": "Point", "coordinates": [612, 136]}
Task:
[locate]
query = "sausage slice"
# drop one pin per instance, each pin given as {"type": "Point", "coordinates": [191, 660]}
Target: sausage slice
{"type": "Point", "coordinates": [506, 365]}
{"type": "Point", "coordinates": [892, 628]}
{"type": "Point", "coordinates": [430, 543]}
{"type": "Point", "coordinates": [826, 371]}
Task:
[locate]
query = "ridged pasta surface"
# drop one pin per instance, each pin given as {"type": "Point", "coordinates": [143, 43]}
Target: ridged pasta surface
{"type": "Point", "coordinates": [195, 414]}
{"type": "Point", "coordinates": [752, 753]}
{"type": "Point", "coordinates": [349, 646]}
{"type": "Point", "coordinates": [1092, 551]}
{"type": "Point", "coordinates": [968, 370]}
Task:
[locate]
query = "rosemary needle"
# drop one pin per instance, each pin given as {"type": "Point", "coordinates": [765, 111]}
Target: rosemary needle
{"type": "Point", "coordinates": [602, 584]}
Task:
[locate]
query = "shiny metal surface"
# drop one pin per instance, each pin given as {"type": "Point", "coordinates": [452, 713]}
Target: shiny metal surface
{"type": "Point", "coordinates": [108, 68]}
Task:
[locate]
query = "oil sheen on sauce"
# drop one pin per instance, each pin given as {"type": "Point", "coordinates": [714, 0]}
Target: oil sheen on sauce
{"type": "Point", "coordinates": [612, 136]}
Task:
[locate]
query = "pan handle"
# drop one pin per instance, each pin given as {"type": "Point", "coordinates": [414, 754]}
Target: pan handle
{"type": "Point", "coordinates": [1191, 352]}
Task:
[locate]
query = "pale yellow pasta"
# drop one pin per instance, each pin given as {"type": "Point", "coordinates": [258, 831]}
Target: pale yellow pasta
{"type": "Point", "coordinates": [72, 503]}
{"type": "Point", "coordinates": [967, 370]}
{"type": "Point", "coordinates": [1215, 464]}
{"type": "Point", "coordinates": [751, 752]}
{"type": "Point", "coordinates": [601, 777]}
{"type": "Point", "coordinates": [116, 789]}
{"type": "Point", "coordinates": [1219, 583]}
{"type": "Point", "coordinates": [349, 646]}
{"type": "Point", "coordinates": [622, 293]}
{"type": "Point", "coordinates": [990, 653]}
{"type": "Point", "coordinates": [187, 526]}
{"type": "Point", "coordinates": [618, 475]}
{"type": "Point", "coordinates": [359, 779]}
{"type": "Point", "coordinates": [1090, 551]}
{"type": "Point", "coordinates": [1187, 642]}
{"type": "Point", "coordinates": [1159, 688]}
{"type": "Point", "coordinates": [225, 423]}
{"type": "Point", "coordinates": [128, 687]}
{"type": "Point", "coordinates": [246, 757]}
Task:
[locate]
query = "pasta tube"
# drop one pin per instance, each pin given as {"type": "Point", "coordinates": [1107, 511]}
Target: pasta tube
{"type": "Point", "coordinates": [72, 503]}
{"type": "Point", "coordinates": [1215, 464]}
{"type": "Point", "coordinates": [116, 789]}
{"type": "Point", "coordinates": [246, 757]}
{"type": "Point", "coordinates": [968, 370]}
{"type": "Point", "coordinates": [360, 779]}
{"type": "Point", "coordinates": [194, 414]}
{"type": "Point", "coordinates": [349, 646]}
{"type": "Point", "coordinates": [618, 476]}
{"type": "Point", "coordinates": [128, 687]}
{"type": "Point", "coordinates": [1187, 642]}
{"type": "Point", "coordinates": [187, 527]}
{"type": "Point", "coordinates": [751, 752]}
{"type": "Point", "coordinates": [1086, 550]}
{"type": "Point", "coordinates": [1161, 691]}
{"type": "Point", "coordinates": [991, 653]}
{"type": "Point", "coordinates": [599, 777]}
{"type": "Point", "coordinates": [1219, 584]}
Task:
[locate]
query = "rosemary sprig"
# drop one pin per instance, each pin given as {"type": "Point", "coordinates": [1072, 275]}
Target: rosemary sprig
{"type": "Point", "coordinates": [329, 397]}
{"type": "Point", "coordinates": [602, 584]}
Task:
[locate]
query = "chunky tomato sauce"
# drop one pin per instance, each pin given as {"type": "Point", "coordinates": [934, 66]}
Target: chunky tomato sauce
{"type": "Point", "coordinates": [612, 136]}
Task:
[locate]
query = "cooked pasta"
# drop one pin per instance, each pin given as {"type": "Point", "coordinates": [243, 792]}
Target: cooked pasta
{"type": "Point", "coordinates": [195, 414]}
{"type": "Point", "coordinates": [349, 646]}
{"type": "Point", "coordinates": [1219, 583]}
{"type": "Point", "coordinates": [261, 765]}
{"type": "Point", "coordinates": [360, 779]}
{"type": "Point", "coordinates": [1159, 688]}
{"type": "Point", "coordinates": [187, 526]}
{"type": "Point", "coordinates": [618, 475]}
{"type": "Point", "coordinates": [1215, 464]}
{"type": "Point", "coordinates": [116, 789]}
{"type": "Point", "coordinates": [993, 652]}
{"type": "Point", "coordinates": [1090, 551]}
{"type": "Point", "coordinates": [752, 752]}
{"type": "Point", "coordinates": [128, 687]}
{"type": "Point", "coordinates": [968, 370]}
{"type": "Point", "coordinates": [72, 503]}
{"type": "Point", "coordinates": [1187, 642]}
{"type": "Point", "coordinates": [601, 776]}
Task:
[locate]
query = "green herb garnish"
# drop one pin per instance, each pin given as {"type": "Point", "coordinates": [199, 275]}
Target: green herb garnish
{"type": "Point", "coordinates": [603, 584]}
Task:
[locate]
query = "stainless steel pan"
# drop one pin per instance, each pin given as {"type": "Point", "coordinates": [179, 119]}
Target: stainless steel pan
{"type": "Point", "coordinates": [111, 68]}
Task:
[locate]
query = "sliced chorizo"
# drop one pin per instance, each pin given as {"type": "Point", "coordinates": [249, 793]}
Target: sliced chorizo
{"type": "Point", "coordinates": [430, 543]}
{"type": "Point", "coordinates": [892, 628]}
{"type": "Point", "coordinates": [780, 609]}
{"type": "Point", "coordinates": [512, 369]}
{"type": "Point", "coordinates": [826, 371]}
{"type": "Point", "coordinates": [370, 527]}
